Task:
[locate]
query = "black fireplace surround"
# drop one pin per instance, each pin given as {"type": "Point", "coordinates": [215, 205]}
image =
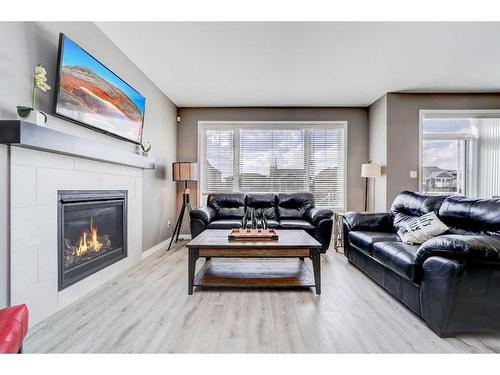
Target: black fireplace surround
{"type": "Point", "coordinates": [92, 232]}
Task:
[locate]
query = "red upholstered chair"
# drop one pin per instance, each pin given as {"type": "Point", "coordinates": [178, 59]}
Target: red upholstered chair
{"type": "Point", "coordinates": [13, 328]}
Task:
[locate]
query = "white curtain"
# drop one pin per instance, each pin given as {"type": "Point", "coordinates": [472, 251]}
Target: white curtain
{"type": "Point", "coordinates": [488, 157]}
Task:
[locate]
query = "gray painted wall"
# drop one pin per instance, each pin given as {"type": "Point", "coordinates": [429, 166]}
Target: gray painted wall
{"type": "Point", "coordinates": [357, 148]}
{"type": "Point", "coordinates": [377, 152]}
{"type": "Point", "coordinates": [24, 44]}
{"type": "Point", "coordinates": [403, 131]}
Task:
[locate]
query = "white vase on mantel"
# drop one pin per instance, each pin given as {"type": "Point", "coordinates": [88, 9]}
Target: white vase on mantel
{"type": "Point", "coordinates": [35, 117]}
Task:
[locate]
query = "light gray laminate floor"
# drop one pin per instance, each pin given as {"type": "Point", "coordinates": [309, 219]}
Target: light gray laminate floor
{"type": "Point", "coordinates": [147, 310]}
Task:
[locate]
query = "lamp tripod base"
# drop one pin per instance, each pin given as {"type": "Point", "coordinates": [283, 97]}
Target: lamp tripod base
{"type": "Point", "coordinates": [185, 206]}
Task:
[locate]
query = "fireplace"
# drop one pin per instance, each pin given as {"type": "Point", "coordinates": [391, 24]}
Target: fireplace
{"type": "Point", "coordinates": [92, 229]}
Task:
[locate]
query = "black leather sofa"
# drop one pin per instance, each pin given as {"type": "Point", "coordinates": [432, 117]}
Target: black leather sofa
{"type": "Point", "coordinates": [283, 211]}
{"type": "Point", "coordinates": [452, 281]}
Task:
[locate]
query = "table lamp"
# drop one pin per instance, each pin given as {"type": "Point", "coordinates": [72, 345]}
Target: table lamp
{"type": "Point", "coordinates": [183, 171]}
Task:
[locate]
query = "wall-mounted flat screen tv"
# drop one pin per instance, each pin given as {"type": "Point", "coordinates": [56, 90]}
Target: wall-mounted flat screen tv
{"type": "Point", "coordinates": [90, 94]}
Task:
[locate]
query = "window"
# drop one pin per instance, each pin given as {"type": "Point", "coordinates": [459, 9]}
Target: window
{"type": "Point", "coordinates": [443, 166]}
{"type": "Point", "coordinates": [274, 157]}
{"type": "Point", "coordinates": [460, 153]}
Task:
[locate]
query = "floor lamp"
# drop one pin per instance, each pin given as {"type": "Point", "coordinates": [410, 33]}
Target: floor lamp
{"type": "Point", "coordinates": [183, 171]}
{"type": "Point", "coordinates": [369, 170]}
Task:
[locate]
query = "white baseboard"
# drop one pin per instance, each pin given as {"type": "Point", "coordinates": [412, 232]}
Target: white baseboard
{"type": "Point", "coordinates": [163, 245]}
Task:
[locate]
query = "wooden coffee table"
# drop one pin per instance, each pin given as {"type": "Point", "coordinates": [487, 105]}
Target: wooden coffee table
{"type": "Point", "coordinates": [213, 243]}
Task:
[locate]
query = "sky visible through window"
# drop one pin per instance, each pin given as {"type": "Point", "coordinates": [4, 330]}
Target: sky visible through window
{"type": "Point", "coordinates": [443, 153]}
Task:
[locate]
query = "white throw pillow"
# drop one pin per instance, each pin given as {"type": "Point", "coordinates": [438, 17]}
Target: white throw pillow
{"type": "Point", "coordinates": [421, 229]}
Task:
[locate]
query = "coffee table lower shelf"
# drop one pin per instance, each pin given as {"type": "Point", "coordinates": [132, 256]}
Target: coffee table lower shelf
{"type": "Point", "coordinates": [245, 274]}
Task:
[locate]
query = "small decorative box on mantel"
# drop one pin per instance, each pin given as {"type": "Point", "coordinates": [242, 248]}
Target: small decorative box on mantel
{"type": "Point", "coordinates": [238, 234]}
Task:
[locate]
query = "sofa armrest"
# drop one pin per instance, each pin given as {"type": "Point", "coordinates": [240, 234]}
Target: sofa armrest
{"type": "Point", "coordinates": [205, 214]}
{"type": "Point", "coordinates": [316, 214]}
{"type": "Point", "coordinates": [459, 297]}
{"type": "Point", "coordinates": [363, 221]}
{"type": "Point", "coordinates": [438, 292]}
{"type": "Point", "coordinates": [475, 248]}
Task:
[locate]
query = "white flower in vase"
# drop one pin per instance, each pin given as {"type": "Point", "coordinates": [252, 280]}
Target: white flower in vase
{"type": "Point", "coordinates": [39, 83]}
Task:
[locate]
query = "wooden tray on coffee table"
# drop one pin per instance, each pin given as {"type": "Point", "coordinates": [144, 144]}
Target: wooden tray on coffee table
{"type": "Point", "coordinates": [253, 235]}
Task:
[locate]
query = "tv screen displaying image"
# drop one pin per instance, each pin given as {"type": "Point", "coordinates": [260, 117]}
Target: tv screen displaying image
{"type": "Point", "coordinates": [90, 94]}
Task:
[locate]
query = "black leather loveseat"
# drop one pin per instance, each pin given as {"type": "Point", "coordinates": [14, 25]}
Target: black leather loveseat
{"type": "Point", "coordinates": [452, 281]}
{"type": "Point", "coordinates": [283, 211]}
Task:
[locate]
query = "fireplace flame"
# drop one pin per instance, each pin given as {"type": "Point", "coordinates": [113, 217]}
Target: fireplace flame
{"type": "Point", "coordinates": [89, 240]}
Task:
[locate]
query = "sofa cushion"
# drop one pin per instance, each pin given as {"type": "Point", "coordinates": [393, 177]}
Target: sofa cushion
{"type": "Point", "coordinates": [473, 215]}
{"type": "Point", "coordinates": [264, 204]}
{"type": "Point", "coordinates": [399, 257]}
{"type": "Point", "coordinates": [365, 240]}
{"type": "Point", "coordinates": [227, 206]}
{"type": "Point", "coordinates": [368, 221]}
{"type": "Point", "coordinates": [296, 224]}
{"type": "Point", "coordinates": [294, 206]}
{"type": "Point", "coordinates": [408, 205]}
{"type": "Point", "coordinates": [224, 224]}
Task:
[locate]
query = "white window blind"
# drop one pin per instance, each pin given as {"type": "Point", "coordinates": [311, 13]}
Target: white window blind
{"type": "Point", "coordinates": [488, 158]}
{"type": "Point", "coordinates": [271, 161]}
{"type": "Point", "coordinates": [218, 164]}
{"type": "Point", "coordinates": [327, 166]}
{"type": "Point", "coordinates": [260, 158]}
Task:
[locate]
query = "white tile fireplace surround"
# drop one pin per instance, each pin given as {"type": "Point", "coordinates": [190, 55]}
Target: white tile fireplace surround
{"type": "Point", "coordinates": [36, 176]}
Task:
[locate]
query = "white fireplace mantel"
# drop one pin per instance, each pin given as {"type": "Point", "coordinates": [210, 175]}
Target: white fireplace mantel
{"type": "Point", "coordinates": [24, 134]}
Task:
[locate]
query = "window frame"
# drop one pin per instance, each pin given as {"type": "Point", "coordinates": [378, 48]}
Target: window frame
{"type": "Point", "coordinates": [205, 124]}
{"type": "Point", "coordinates": [470, 144]}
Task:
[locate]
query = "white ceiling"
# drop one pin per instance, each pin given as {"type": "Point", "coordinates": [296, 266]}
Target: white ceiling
{"type": "Point", "coordinates": [308, 63]}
